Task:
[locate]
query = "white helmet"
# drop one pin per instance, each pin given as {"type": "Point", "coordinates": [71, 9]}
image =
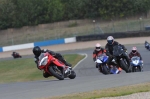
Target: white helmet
{"type": "Point", "coordinates": [97, 47]}
{"type": "Point", "coordinates": [134, 50]}
{"type": "Point", "coordinates": [110, 40]}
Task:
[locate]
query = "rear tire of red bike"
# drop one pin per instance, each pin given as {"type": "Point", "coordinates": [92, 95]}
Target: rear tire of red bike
{"type": "Point", "coordinates": [60, 77]}
{"type": "Point", "coordinates": [73, 74]}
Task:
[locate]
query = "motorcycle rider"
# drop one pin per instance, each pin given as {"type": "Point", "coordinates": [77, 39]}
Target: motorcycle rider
{"type": "Point", "coordinates": [98, 51]}
{"type": "Point", "coordinates": [37, 51]}
{"type": "Point", "coordinates": [109, 50]}
{"type": "Point", "coordinates": [134, 52]}
{"type": "Point", "coordinates": [15, 54]}
{"type": "Point", "coordinates": [146, 45]}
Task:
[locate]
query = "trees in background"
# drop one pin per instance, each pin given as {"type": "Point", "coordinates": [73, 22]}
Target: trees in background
{"type": "Point", "coordinates": [18, 13]}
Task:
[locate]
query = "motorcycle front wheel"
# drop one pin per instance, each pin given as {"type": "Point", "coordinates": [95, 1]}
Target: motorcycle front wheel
{"type": "Point", "coordinates": [105, 69]}
{"type": "Point", "coordinates": [124, 66]}
{"type": "Point", "coordinates": [136, 69]}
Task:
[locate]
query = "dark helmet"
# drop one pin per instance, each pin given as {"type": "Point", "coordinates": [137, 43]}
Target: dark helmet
{"type": "Point", "coordinates": [37, 51]}
{"type": "Point", "coordinates": [110, 40]}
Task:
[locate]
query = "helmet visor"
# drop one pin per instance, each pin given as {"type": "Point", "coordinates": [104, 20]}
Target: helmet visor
{"type": "Point", "coordinates": [98, 48]}
{"type": "Point", "coordinates": [133, 51]}
{"type": "Point", "coordinates": [110, 41]}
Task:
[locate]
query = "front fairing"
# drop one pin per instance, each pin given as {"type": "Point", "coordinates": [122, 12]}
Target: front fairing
{"type": "Point", "coordinates": [135, 61]}
{"type": "Point", "coordinates": [102, 58]}
{"type": "Point", "coordinates": [44, 60]}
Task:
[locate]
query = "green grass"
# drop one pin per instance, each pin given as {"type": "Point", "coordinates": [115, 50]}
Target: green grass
{"type": "Point", "coordinates": [20, 70]}
{"type": "Point", "coordinates": [111, 92]}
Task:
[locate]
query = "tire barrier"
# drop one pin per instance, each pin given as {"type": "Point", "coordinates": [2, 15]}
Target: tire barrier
{"type": "Point", "coordinates": [115, 35]}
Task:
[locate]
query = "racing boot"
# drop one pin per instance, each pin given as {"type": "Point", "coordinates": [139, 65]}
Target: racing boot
{"type": "Point", "coordinates": [68, 69]}
{"type": "Point", "coordinates": [46, 75]}
{"type": "Point", "coordinates": [120, 69]}
{"type": "Point", "coordinates": [66, 63]}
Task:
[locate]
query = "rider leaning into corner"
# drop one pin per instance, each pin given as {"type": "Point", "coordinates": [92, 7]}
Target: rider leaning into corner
{"type": "Point", "coordinates": [98, 51]}
{"type": "Point", "coordinates": [37, 51]}
{"type": "Point", "coordinates": [109, 50]}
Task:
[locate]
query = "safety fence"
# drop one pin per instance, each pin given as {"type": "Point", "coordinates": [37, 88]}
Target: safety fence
{"type": "Point", "coordinates": [72, 28]}
{"type": "Point", "coordinates": [76, 39]}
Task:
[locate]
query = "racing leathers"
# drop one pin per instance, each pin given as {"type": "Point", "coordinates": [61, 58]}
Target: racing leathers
{"type": "Point", "coordinates": [56, 55]}
{"type": "Point", "coordinates": [109, 52]}
{"type": "Point", "coordinates": [97, 53]}
{"type": "Point", "coordinates": [136, 54]}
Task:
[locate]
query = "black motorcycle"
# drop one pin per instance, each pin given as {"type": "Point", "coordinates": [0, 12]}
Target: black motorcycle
{"type": "Point", "coordinates": [121, 57]}
{"type": "Point", "coordinates": [16, 55]}
{"type": "Point", "coordinates": [147, 45]}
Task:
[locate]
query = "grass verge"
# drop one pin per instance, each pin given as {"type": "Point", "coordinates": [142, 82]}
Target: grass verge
{"type": "Point", "coordinates": [20, 70]}
{"type": "Point", "coordinates": [111, 92]}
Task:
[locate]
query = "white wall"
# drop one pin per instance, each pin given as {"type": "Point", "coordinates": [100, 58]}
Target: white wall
{"type": "Point", "coordinates": [18, 47]}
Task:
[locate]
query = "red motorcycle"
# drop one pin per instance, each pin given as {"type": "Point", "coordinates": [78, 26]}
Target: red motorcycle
{"type": "Point", "coordinates": [54, 67]}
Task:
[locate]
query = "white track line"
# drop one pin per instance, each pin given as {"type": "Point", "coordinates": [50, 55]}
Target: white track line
{"type": "Point", "coordinates": [81, 60]}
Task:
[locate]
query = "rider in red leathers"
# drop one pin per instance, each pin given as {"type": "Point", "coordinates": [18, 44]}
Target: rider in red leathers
{"type": "Point", "coordinates": [98, 51]}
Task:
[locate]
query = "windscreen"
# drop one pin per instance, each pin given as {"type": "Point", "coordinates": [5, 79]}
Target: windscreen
{"type": "Point", "coordinates": [135, 58]}
{"type": "Point", "coordinates": [117, 50]}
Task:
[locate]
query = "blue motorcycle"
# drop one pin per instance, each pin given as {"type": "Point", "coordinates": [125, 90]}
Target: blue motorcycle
{"type": "Point", "coordinates": [136, 64]}
{"type": "Point", "coordinates": [102, 66]}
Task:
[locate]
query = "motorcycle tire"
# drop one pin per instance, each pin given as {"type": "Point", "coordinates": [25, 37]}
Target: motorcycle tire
{"type": "Point", "coordinates": [52, 71]}
{"type": "Point", "coordinates": [72, 75]}
{"type": "Point", "coordinates": [132, 69]}
{"type": "Point", "coordinates": [124, 66]}
{"type": "Point", "coordinates": [100, 68]}
{"type": "Point", "coordinates": [105, 70]}
{"type": "Point", "coordinates": [138, 69]}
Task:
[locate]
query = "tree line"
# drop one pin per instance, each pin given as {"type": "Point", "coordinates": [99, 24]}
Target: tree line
{"type": "Point", "coordinates": [18, 13]}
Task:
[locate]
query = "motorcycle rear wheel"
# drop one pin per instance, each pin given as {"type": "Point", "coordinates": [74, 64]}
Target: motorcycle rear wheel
{"type": "Point", "coordinates": [55, 74]}
{"type": "Point", "coordinates": [72, 75]}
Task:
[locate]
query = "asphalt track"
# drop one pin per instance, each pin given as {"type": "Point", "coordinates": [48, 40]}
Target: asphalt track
{"type": "Point", "coordinates": [88, 79]}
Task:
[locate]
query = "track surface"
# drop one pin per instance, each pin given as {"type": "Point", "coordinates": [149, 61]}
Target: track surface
{"type": "Point", "coordinates": [88, 79]}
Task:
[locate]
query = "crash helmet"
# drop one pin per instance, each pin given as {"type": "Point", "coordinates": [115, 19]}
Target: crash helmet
{"type": "Point", "coordinates": [134, 50]}
{"type": "Point", "coordinates": [110, 40]}
{"type": "Point", "coordinates": [97, 47]}
{"type": "Point", "coordinates": [36, 51]}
